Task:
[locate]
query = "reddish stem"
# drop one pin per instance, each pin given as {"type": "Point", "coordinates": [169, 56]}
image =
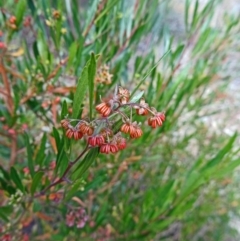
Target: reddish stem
{"type": "Point", "coordinates": [63, 177]}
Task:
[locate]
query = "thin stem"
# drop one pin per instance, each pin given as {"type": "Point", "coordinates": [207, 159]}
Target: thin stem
{"type": "Point", "coordinates": [121, 113]}
{"type": "Point", "coordinates": [13, 150]}
{"type": "Point", "coordinates": [63, 177]}
{"type": "Point", "coordinates": [125, 44]}
{"type": "Point", "coordinates": [131, 115]}
{"type": "Point", "coordinates": [9, 99]}
{"type": "Point", "coordinates": [100, 8]}
{"type": "Point", "coordinates": [136, 104]}
{"type": "Point", "coordinates": [4, 93]}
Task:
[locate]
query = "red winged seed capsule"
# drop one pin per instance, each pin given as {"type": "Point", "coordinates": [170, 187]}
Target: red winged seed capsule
{"type": "Point", "coordinates": [97, 140]}
{"type": "Point", "coordinates": [156, 120]}
{"type": "Point", "coordinates": [136, 133]}
{"type": "Point", "coordinates": [133, 129]}
{"type": "Point", "coordinates": [125, 128]}
{"type": "Point", "coordinates": [104, 109]}
{"type": "Point", "coordinates": [86, 128]}
{"type": "Point", "coordinates": [105, 148]}
{"type": "Point", "coordinates": [69, 133]}
{"type": "Point", "coordinates": [65, 123]}
{"type": "Point", "coordinates": [77, 135]}
{"type": "Point", "coordinates": [108, 147]}
{"type": "Point", "coordinates": [113, 148]}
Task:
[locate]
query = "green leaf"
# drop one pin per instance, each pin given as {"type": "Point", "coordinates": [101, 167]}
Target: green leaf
{"type": "Point", "coordinates": [20, 10]}
{"type": "Point", "coordinates": [57, 138]}
{"type": "Point", "coordinates": [224, 171]}
{"type": "Point", "coordinates": [16, 179]}
{"type": "Point", "coordinates": [74, 189]}
{"type": "Point", "coordinates": [110, 4]}
{"type": "Point", "coordinates": [91, 76]}
{"type": "Point", "coordinates": [5, 212]}
{"type": "Point", "coordinates": [5, 174]}
{"type": "Point", "coordinates": [64, 110]}
{"type": "Point", "coordinates": [4, 217]}
{"type": "Point", "coordinates": [192, 182]}
{"type": "Point", "coordinates": [62, 163]}
{"type": "Point", "coordinates": [36, 182]}
{"type": "Point", "coordinates": [72, 54]}
{"type": "Point", "coordinates": [80, 92]}
{"type": "Point", "coordinates": [31, 6]}
{"type": "Point", "coordinates": [5, 186]}
{"type": "Point", "coordinates": [195, 16]}
{"type": "Point", "coordinates": [40, 154]}
{"type": "Point", "coordinates": [35, 50]}
{"type": "Point", "coordinates": [62, 157]}
{"type": "Point", "coordinates": [29, 154]}
{"type": "Point", "coordinates": [186, 14]}
{"type": "Point", "coordinates": [85, 163]}
{"type": "Point", "coordinates": [149, 72]}
{"type": "Point", "coordinates": [137, 97]}
{"type": "Point", "coordinates": [218, 158]}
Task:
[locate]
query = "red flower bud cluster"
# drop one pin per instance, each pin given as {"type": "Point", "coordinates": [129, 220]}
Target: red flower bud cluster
{"type": "Point", "coordinates": [101, 132]}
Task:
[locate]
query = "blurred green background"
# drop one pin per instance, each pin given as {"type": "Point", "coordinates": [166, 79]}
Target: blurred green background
{"type": "Point", "coordinates": [178, 182]}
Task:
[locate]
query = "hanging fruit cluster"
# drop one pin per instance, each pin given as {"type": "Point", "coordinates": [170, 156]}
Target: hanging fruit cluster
{"type": "Point", "coordinates": [100, 132]}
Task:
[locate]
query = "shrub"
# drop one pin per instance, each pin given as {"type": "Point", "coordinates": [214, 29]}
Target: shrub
{"type": "Point", "coordinates": [58, 61]}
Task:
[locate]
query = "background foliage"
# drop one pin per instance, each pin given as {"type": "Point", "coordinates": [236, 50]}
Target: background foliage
{"type": "Point", "coordinates": [175, 183]}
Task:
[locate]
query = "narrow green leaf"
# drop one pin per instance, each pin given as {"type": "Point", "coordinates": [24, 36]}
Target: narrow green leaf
{"type": "Point", "coordinates": [110, 5]}
{"type": "Point", "coordinates": [224, 171]}
{"type": "Point", "coordinates": [195, 15]}
{"type": "Point", "coordinates": [5, 211]}
{"type": "Point", "coordinates": [16, 179]}
{"type": "Point", "coordinates": [218, 158]}
{"type": "Point", "coordinates": [85, 163]}
{"type": "Point", "coordinates": [29, 154]}
{"type": "Point", "coordinates": [149, 72]}
{"type": "Point", "coordinates": [72, 54]}
{"type": "Point", "coordinates": [36, 181]}
{"type": "Point", "coordinates": [20, 10]}
{"type": "Point", "coordinates": [57, 138]}
{"type": "Point", "coordinates": [177, 53]}
{"type": "Point", "coordinates": [40, 154]}
{"type": "Point", "coordinates": [74, 189]}
{"type": "Point", "coordinates": [5, 186]}
{"type": "Point", "coordinates": [4, 217]}
{"type": "Point", "coordinates": [62, 163]}
{"type": "Point", "coordinates": [186, 14]}
{"type": "Point", "coordinates": [80, 92]}
{"type": "Point", "coordinates": [137, 97]}
{"type": "Point", "coordinates": [35, 50]}
{"type": "Point", "coordinates": [192, 182]}
{"type": "Point", "coordinates": [64, 110]}
{"type": "Point", "coordinates": [31, 6]}
{"type": "Point", "coordinates": [91, 76]}
{"type": "Point", "coordinates": [5, 174]}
